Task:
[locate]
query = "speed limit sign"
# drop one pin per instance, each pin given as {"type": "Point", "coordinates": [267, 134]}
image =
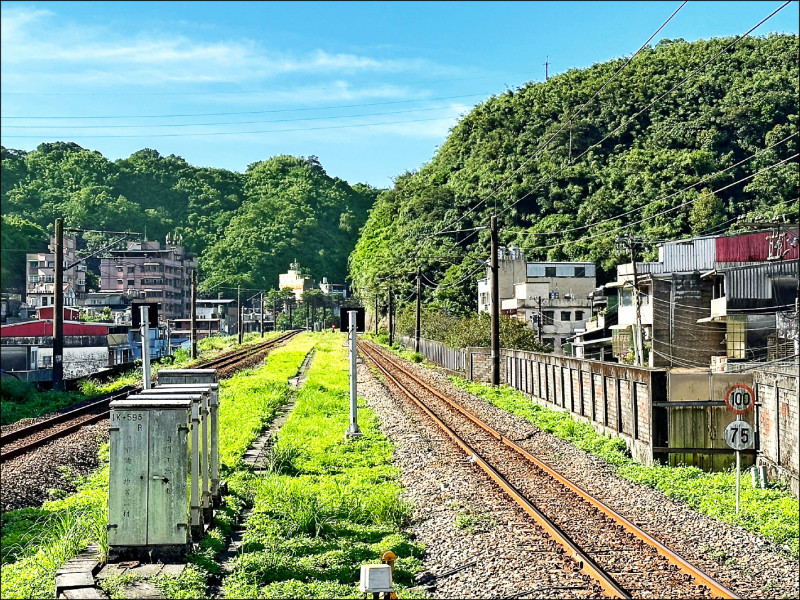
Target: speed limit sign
{"type": "Point", "coordinates": [740, 398]}
{"type": "Point", "coordinates": [739, 435]}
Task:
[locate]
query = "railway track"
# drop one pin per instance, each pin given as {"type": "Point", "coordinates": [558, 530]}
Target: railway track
{"type": "Point", "coordinates": [623, 559]}
{"type": "Point", "coordinates": [25, 439]}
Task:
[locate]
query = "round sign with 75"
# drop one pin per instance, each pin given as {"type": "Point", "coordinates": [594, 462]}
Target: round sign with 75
{"type": "Point", "coordinates": [739, 435]}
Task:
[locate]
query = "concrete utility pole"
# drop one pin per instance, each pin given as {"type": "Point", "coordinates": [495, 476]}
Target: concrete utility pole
{"type": "Point", "coordinates": [353, 430]}
{"type": "Point", "coordinates": [495, 267]}
{"type": "Point", "coordinates": [639, 341]}
{"type": "Point", "coordinates": [145, 333]}
{"type": "Point", "coordinates": [391, 321]}
{"type": "Point", "coordinates": [541, 319]}
{"type": "Point", "coordinates": [58, 310]}
{"type": "Point", "coordinates": [239, 313]}
{"type": "Point", "coordinates": [194, 314]}
{"type": "Point", "coordinates": [262, 315]}
{"type": "Point", "coordinates": [376, 313]}
{"type": "Point", "coordinates": [418, 329]}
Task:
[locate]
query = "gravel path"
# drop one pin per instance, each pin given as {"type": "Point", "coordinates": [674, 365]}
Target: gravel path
{"type": "Point", "coordinates": [760, 570]}
{"type": "Point", "coordinates": [25, 481]}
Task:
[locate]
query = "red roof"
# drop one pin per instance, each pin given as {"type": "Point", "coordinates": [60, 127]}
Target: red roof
{"type": "Point", "coordinates": [752, 247]}
{"type": "Point", "coordinates": [45, 328]}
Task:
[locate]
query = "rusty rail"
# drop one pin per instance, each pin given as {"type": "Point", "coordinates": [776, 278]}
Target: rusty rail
{"type": "Point", "coordinates": [698, 574]}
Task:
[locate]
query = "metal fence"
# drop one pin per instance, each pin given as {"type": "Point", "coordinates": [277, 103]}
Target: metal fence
{"type": "Point", "coordinates": [450, 358]}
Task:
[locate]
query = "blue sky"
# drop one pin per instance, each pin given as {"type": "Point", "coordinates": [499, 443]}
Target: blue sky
{"type": "Point", "coordinates": [372, 89]}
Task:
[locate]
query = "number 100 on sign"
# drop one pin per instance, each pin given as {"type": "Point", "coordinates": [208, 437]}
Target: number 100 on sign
{"type": "Point", "coordinates": [739, 435]}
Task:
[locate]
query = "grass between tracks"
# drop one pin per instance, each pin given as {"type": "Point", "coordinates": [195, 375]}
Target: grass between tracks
{"type": "Point", "coordinates": [35, 542]}
{"type": "Point", "coordinates": [772, 513]}
{"type": "Point", "coordinates": [327, 505]}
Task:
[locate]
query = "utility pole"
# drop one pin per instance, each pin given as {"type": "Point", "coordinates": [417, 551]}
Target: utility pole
{"type": "Point", "coordinates": [629, 242]}
{"type": "Point", "coordinates": [239, 313]}
{"type": "Point", "coordinates": [290, 302]}
{"type": "Point", "coordinates": [274, 313]}
{"type": "Point", "coordinates": [391, 323]}
{"type": "Point", "coordinates": [145, 335]}
{"type": "Point", "coordinates": [194, 314]}
{"type": "Point", "coordinates": [376, 312]}
{"type": "Point", "coordinates": [262, 315]}
{"type": "Point", "coordinates": [547, 68]}
{"type": "Point", "coordinates": [418, 329]}
{"type": "Point", "coordinates": [541, 320]}
{"type": "Point", "coordinates": [58, 310]}
{"type": "Point", "coordinates": [495, 267]}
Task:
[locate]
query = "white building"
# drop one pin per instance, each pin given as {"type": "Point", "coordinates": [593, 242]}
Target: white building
{"type": "Point", "coordinates": [295, 280]}
{"type": "Point", "coordinates": [551, 298]}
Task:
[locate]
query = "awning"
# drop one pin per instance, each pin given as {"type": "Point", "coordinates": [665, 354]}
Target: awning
{"type": "Point", "coordinates": [710, 273]}
{"type": "Point", "coordinates": [615, 284]}
{"type": "Point", "coordinates": [594, 342]}
{"type": "Point", "coordinates": [721, 319]}
{"type": "Point", "coordinates": [620, 326]}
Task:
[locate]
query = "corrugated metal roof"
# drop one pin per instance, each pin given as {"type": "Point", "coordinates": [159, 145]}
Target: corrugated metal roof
{"type": "Point", "coordinates": [687, 256]}
{"type": "Point", "coordinates": [756, 281]}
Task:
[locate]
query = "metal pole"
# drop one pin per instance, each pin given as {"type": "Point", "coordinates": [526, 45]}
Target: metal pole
{"type": "Point", "coordinates": [353, 430]}
{"type": "Point", "coordinates": [376, 313]}
{"type": "Point", "coordinates": [239, 313]}
{"type": "Point", "coordinates": [262, 314]}
{"type": "Point", "coordinates": [418, 329]}
{"type": "Point", "coordinates": [738, 472]}
{"type": "Point", "coordinates": [639, 348]}
{"type": "Point", "coordinates": [194, 314]}
{"type": "Point", "coordinates": [391, 322]}
{"type": "Point", "coordinates": [541, 320]}
{"type": "Point", "coordinates": [144, 312]}
{"type": "Point", "coordinates": [58, 310]}
{"type": "Point", "coordinates": [495, 305]}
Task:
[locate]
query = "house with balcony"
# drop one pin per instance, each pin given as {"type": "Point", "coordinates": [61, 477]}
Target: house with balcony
{"type": "Point", "coordinates": [155, 274]}
{"type": "Point", "coordinates": [296, 280]}
{"type": "Point", "coordinates": [40, 276]}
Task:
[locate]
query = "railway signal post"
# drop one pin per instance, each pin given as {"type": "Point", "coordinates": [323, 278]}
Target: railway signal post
{"type": "Point", "coordinates": [353, 430]}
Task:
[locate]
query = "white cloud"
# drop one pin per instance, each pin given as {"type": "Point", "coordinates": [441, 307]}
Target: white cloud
{"type": "Point", "coordinates": [61, 53]}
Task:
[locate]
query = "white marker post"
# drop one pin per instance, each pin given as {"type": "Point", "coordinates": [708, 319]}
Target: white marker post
{"type": "Point", "coordinates": [353, 430]}
{"type": "Point", "coordinates": [145, 331]}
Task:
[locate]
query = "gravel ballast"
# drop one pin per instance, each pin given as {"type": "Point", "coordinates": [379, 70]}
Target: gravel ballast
{"type": "Point", "coordinates": [442, 485]}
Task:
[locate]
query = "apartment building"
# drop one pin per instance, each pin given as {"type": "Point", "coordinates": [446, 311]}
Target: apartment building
{"type": "Point", "coordinates": [40, 276]}
{"type": "Point", "coordinates": [161, 275]}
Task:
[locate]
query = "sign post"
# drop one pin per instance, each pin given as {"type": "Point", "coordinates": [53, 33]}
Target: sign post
{"type": "Point", "coordinates": [739, 434]}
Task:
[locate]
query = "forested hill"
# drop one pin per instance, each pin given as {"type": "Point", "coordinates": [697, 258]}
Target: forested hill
{"type": "Point", "coordinates": [617, 163]}
{"type": "Point", "coordinates": [244, 227]}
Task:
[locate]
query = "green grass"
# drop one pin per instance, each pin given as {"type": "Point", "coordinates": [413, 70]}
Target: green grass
{"type": "Point", "coordinates": [35, 542]}
{"type": "Point", "coordinates": [328, 505]}
{"type": "Point", "coordinates": [772, 513]}
{"type": "Point", "coordinates": [21, 400]}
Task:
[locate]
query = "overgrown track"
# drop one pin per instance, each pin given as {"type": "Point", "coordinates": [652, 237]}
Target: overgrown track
{"type": "Point", "coordinates": [25, 439]}
{"type": "Point", "coordinates": [623, 559]}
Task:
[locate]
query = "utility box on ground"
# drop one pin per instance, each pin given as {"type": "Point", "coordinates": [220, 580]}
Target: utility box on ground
{"type": "Point", "coordinates": [187, 376]}
{"type": "Point", "coordinates": [213, 429]}
{"type": "Point", "coordinates": [148, 479]}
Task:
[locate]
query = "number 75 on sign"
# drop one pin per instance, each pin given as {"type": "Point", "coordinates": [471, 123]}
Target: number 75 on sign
{"type": "Point", "coordinates": [739, 435]}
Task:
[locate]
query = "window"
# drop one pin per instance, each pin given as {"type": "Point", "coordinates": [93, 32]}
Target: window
{"type": "Point", "coordinates": [549, 271]}
{"type": "Point", "coordinates": [130, 282]}
{"type": "Point", "coordinates": [736, 338]}
{"type": "Point", "coordinates": [565, 315]}
{"type": "Point", "coordinates": [119, 269]}
{"type": "Point", "coordinates": [548, 342]}
{"type": "Point", "coordinates": [51, 263]}
{"type": "Point", "coordinates": [579, 315]}
{"type": "Point", "coordinates": [580, 271]}
{"type": "Point", "coordinates": [626, 297]}
{"type": "Point", "coordinates": [34, 263]}
{"type": "Point", "coordinates": [44, 300]}
{"type": "Point", "coordinates": [548, 316]}
{"type": "Point", "coordinates": [131, 269]}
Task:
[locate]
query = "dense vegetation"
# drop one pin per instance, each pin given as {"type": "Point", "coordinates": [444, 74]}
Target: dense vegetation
{"type": "Point", "coordinates": [245, 227]}
{"type": "Point", "coordinates": [617, 163]}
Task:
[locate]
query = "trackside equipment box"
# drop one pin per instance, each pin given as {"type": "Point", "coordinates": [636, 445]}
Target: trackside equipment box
{"type": "Point", "coordinates": [148, 478]}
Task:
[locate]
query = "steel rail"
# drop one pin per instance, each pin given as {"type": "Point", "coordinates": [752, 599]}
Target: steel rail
{"type": "Point", "coordinates": [230, 360]}
{"type": "Point", "coordinates": [585, 562]}
{"type": "Point", "coordinates": [698, 574]}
